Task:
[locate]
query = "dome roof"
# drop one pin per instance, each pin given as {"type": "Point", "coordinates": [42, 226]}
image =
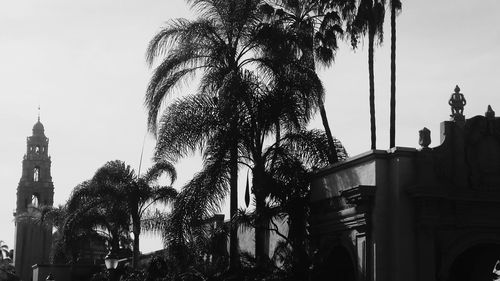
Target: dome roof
{"type": "Point", "coordinates": [38, 129]}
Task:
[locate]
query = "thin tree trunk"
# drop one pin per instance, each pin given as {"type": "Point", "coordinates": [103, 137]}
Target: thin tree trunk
{"type": "Point", "coordinates": [233, 183]}
{"type": "Point", "coordinates": [115, 241]}
{"type": "Point", "coordinates": [137, 232]}
{"type": "Point", "coordinates": [308, 58]}
{"type": "Point", "coordinates": [278, 132]}
{"type": "Point", "coordinates": [277, 142]}
{"type": "Point", "coordinates": [371, 39]}
{"type": "Point", "coordinates": [393, 76]}
{"type": "Point", "coordinates": [297, 233]}
{"type": "Point", "coordinates": [261, 245]}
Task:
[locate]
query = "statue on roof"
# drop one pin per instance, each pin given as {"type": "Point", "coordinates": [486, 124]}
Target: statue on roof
{"type": "Point", "coordinates": [457, 102]}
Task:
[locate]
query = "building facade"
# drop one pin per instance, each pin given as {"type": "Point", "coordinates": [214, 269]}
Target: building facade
{"type": "Point", "coordinates": [427, 214]}
{"type": "Point", "coordinates": [33, 241]}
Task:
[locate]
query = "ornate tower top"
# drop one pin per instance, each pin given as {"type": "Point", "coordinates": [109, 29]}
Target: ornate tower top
{"type": "Point", "coordinates": [38, 129]}
{"type": "Point", "coordinates": [36, 177]}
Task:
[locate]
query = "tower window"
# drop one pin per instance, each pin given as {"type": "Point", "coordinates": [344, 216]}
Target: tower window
{"type": "Point", "coordinates": [37, 149]}
{"type": "Point", "coordinates": [34, 200]}
{"type": "Point", "coordinates": [36, 174]}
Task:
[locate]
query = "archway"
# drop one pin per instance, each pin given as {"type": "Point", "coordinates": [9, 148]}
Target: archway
{"type": "Point", "coordinates": [475, 264]}
{"type": "Point", "coordinates": [338, 266]}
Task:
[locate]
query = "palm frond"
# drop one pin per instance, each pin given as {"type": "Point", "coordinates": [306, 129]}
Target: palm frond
{"type": "Point", "coordinates": [186, 125]}
{"type": "Point", "coordinates": [155, 222]}
{"type": "Point", "coordinates": [160, 168]}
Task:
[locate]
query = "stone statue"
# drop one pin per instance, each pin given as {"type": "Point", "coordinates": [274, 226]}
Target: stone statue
{"type": "Point", "coordinates": [424, 138]}
{"type": "Point", "coordinates": [457, 103]}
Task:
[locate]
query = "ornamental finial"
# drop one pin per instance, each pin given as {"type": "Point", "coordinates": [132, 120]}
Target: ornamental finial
{"type": "Point", "coordinates": [490, 114]}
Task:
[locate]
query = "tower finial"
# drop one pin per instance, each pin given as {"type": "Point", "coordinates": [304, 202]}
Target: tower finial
{"type": "Point", "coordinates": [490, 113]}
{"type": "Point", "coordinates": [38, 112]}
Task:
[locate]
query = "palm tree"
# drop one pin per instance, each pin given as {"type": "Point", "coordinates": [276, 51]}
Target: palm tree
{"type": "Point", "coordinates": [194, 118]}
{"type": "Point", "coordinates": [287, 174]}
{"type": "Point", "coordinates": [316, 26]}
{"type": "Point", "coordinates": [7, 270]}
{"type": "Point", "coordinates": [216, 46]}
{"type": "Point", "coordinates": [89, 214]}
{"type": "Point", "coordinates": [370, 19]}
{"type": "Point", "coordinates": [117, 181]}
{"type": "Point", "coordinates": [85, 217]}
{"type": "Point", "coordinates": [395, 9]}
{"type": "Point", "coordinates": [265, 105]}
{"type": "Point", "coordinates": [227, 118]}
{"type": "Point", "coordinates": [4, 251]}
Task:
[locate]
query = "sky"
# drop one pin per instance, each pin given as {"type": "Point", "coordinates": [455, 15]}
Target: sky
{"type": "Point", "coordinates": [83, 62]}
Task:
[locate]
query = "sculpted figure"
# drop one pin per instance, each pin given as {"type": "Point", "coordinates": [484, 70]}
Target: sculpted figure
{"type": "Point", "coordinates": [457, 103]}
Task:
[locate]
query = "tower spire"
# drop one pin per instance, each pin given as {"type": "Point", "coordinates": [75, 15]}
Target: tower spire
{"type": "Point", "coordinates": [38, 112]}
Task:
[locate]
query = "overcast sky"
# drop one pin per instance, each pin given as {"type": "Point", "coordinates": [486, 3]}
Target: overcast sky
{"type": "Point", "coordinates": [83, 63]}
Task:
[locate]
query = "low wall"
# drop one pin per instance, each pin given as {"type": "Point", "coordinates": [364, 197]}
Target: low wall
{"type": "Point", "coordinates": [64, 272]}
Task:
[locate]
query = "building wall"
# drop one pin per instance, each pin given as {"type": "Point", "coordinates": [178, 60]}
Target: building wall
{"type": "Point", "coordinates": [408, 214]}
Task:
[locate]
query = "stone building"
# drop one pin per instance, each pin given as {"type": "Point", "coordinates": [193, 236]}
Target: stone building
{"type": "Point", "coordinates": [32, 241]}
{"type": "Point", "coordinates": [427, 214]}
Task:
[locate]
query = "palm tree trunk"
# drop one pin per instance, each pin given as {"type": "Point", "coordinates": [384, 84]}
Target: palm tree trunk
{"type": "Point", "coordinates": [115, 241]}
{"type": "Point", "coordinates": [371, 39]}
{"type": "Point", "coordinates": [233, 185]}
{"type": "Point", "coordinates": [393, 76]}
{"type": "Point", "coordinates": [332, 153]}
{"type": "Point", "coordinates": [297, 233]}
{"type": "Point", "coordinates": [137, 232]}
{"type": "Point", "coordinates": [261, 245]}
{"type": "Point", "coordinates": [308, 58]}
{"type": "Point", "coordinates": [278, 132]}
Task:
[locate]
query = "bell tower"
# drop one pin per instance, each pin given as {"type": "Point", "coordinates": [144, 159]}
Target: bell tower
{"type": "Point", "coordinates": [33, 241]}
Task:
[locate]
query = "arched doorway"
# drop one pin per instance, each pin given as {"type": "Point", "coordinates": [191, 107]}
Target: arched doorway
{"type": "Point", "coordinates": [475, 263]}
{"type": "Point", "coordinates": [338, 266]}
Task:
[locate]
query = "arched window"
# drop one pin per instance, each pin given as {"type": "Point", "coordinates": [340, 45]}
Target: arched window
{"type": "Point", "coordinates": [37, 150]}
{"type": "Point", "coordinates": [36, 174]}
{"type": "Point", "coordinates": [34, 200]}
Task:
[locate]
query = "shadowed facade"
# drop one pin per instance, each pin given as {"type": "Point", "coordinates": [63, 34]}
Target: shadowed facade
{"type": "Point", "coordinates": [428, 214]}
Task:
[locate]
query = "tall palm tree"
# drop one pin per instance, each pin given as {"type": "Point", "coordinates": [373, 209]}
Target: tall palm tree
{"type": "Point", "coordinates": [117, 181]}
{"type": "Point", "coordinates": [267, 103]}
{"type": "Point", "coordinates": [192, 119]}
{"type": "Point", "coordinates": [370, 19]}
{"type": "Point", "coordinates": [216, 46]}
{"type": "Point", "coordinates": [297, 155]}
{"type": "Point", "coordinates": [316, 26]}
{"type": "Point", "coordinates": [395, 9]}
